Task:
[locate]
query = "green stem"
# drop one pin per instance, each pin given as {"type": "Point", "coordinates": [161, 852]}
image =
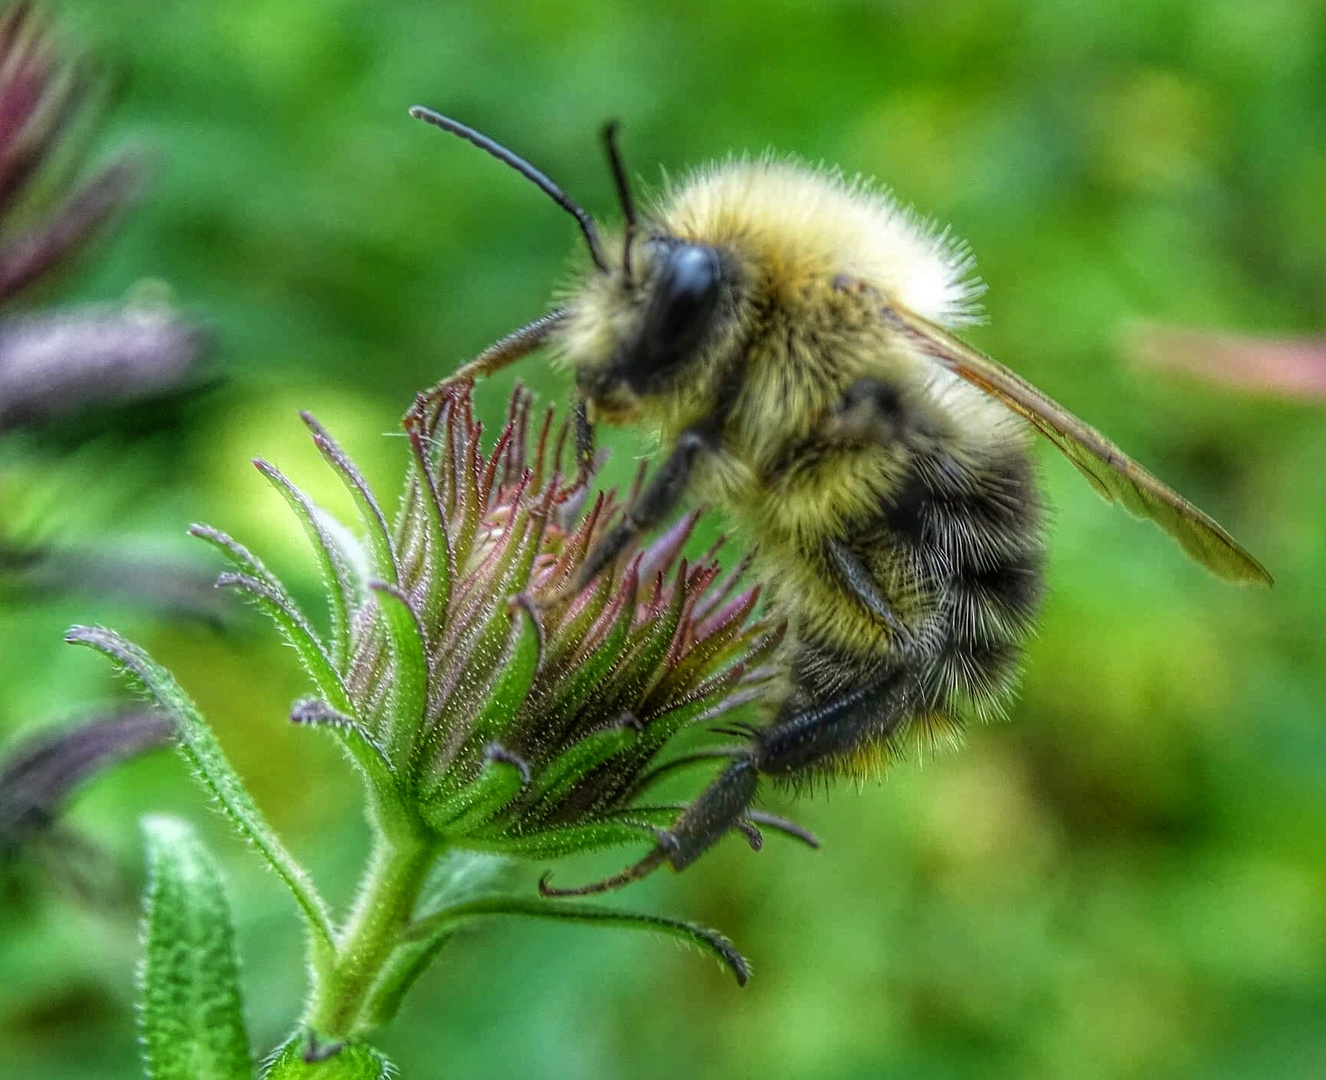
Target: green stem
{"type": "Point", "coordinates": [339, 1008]}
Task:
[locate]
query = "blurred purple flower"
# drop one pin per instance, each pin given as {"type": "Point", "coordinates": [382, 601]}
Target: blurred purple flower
{"type": "Point", "coordinates": [1283, 367]}
{"type": "Point", "coordinates": [56, 363]}
{"type": "Point", "coordinates": [38, 774]}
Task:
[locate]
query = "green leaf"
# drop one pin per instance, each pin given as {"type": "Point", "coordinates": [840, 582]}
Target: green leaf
{"type": "Point", "coordinates": [214, 772]}
{"type": "Point", "coordinates": [407, 964]}
{"type": "Point", "coordinates": [351, 1061]}
{"type": "Point", "coordinates": [336, 571]}
{"type": "Point", "coordinates": [359, 744]}
{"type": "Point", "coordinates": [561, 775]}
{"type": "Point", "coordinates": [710, 941]}
{"type": "Point", "coordinates": [241, 557]}
{"type": "Point", "coordinates": [191, 1016]}
{"type": "Point", "coordinates": [566, 840]}
{"type": "Point", "coordinates": [433, 517]}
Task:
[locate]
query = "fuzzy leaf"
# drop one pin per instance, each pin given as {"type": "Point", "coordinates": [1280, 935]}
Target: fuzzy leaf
{"type": "Point", "coordinates": [241, 557]}
{"type": "Point", "coordinates": [497, 784]}
{"type": "Point", "coordinates": [568, 840]}
{"type": "Point", "coordinates": [362, 748]}
{"type": "Point", "coordinates": [517, 675]}
{"type": "Point", "coordinates": [278, 606]}
{"type": "Point", "coordinates": [710, 941]}
{"type": "Point", "coordinates": [438, 547]}
{"type": "Point", "coordinates": [191, 1017]}
{"type": "Point", "coordinates": [213, 771]}
{"type": "Point", "coordinates": [565, 771]}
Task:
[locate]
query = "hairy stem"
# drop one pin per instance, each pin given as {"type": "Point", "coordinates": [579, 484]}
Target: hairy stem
{"type": "Point", "coordinates": [365, 947]}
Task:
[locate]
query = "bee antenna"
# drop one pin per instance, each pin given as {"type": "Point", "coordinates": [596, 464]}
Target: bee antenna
{"type": "Point", "coordinates": [528, 171]}
{"type": "Point", "coordinates": [623, 183]}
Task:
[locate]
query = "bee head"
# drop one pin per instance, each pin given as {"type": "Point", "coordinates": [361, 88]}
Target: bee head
{"type": "Point", "coordinates": [640, 336]}
{"type": "Point", "coordinates": [639, 330]}
{"type": "Point", "coordinates": [639, 317]}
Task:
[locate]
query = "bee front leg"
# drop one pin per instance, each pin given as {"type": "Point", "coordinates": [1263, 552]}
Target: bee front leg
{"type": "Point", "coordinates": [422, 418]}
{"type": "Point", "coordinates": [659, 498]}
{"type": "Point", "coordinates": [501, 353]}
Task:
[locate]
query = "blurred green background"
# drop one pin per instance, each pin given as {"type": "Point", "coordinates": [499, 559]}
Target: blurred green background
{"type": "Point", "coordinates": [1127, 880]}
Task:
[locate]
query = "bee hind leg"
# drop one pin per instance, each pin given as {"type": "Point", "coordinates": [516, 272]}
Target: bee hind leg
{"type": "Point", "coordinates": [801, 738]}
{"type": "Point", "coordinates": [804, 738]}
{"type": "Point", "coordinates": [725, 804]}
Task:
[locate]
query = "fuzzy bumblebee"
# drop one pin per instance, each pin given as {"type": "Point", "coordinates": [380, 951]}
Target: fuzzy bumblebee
{"type": "Point", "coordinates": [787, 333]}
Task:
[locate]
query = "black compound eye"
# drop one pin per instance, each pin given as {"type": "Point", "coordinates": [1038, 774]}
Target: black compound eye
{"type": "Point", "coordinates": [685, 297]}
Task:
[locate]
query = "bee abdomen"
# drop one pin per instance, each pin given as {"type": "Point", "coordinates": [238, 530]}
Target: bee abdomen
{"type": "Point", "coordinates": [972, 531]}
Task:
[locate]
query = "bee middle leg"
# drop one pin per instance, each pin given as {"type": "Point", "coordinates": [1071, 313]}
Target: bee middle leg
{"type": "Point", "coordinates": [659, 498]}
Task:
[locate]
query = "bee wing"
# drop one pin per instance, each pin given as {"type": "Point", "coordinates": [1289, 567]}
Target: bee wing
{"type": "Point", "coordinates": [1114, 475]}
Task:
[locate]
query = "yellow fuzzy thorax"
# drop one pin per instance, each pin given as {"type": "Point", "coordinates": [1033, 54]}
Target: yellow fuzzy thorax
{"type": "Point", "coordinates": [802, 225]}
{"type": "Point", "coordinates": [793, 235]}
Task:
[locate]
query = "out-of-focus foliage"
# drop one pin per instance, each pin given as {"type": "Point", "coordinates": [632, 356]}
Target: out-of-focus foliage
{"type": "Point", "coordinates": [1126, 880]}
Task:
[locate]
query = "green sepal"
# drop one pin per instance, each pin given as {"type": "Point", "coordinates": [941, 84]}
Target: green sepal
{"type": "Point", "coordinates": [710, 941]}
{"type": "Point", "coordinates": [336, 573]}
{"type": "Point", "coordinates": [589, 671]}
{"type": "Point", "coordinates": [210, 767]}
{"type": "Point", "coordinates": [513, 682]}
{"type": "Point", "coordinates": [409, 674]}
{"type": "Point", "coordinates": [438, 549]}
{"type": "Point", "coordinates": [379, 536]}
{"type": "Point", "coordinates": [364, 751]}
{"type": "Point", "coordinates": [498, 782]}
{"type": "Point", "coordinates": [240, 557]}
{"type": "Point", "coordinates": [351, 1061]}
{"type": "Point", "coordinates": [278, 606]}
{"type": "Point", "coordinates": [564, 772]}
{"type": "Point", "coordinates": [567, 840]}
{"type": "Point", "coordinates": [191, 1014]}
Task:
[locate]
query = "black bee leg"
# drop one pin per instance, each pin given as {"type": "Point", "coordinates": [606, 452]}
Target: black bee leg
{"type": "Point", "coordinates": [857, 577]}
{"type": "Point", "coordinates": [820, 733]}
{"type": "Point", "coordinates": [515, 346]}
{"type": "Point", "coordinates": [720, 807]}
{"type": "Point", "coordinates": [658, 499]}
{"type": "Point", "coordinates": [636, 872]}
{"type": "Point", "coordinates": [803, 738]}
{"type": "Point", "coordinates": [585, 463]}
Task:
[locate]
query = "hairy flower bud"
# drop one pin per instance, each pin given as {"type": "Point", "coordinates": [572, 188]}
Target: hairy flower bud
{"type": "Point", "coordinates": [473, 676]}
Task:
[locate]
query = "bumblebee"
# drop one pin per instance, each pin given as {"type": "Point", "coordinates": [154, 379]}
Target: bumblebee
{"type": "Point", "coordinates": [788, 334]}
